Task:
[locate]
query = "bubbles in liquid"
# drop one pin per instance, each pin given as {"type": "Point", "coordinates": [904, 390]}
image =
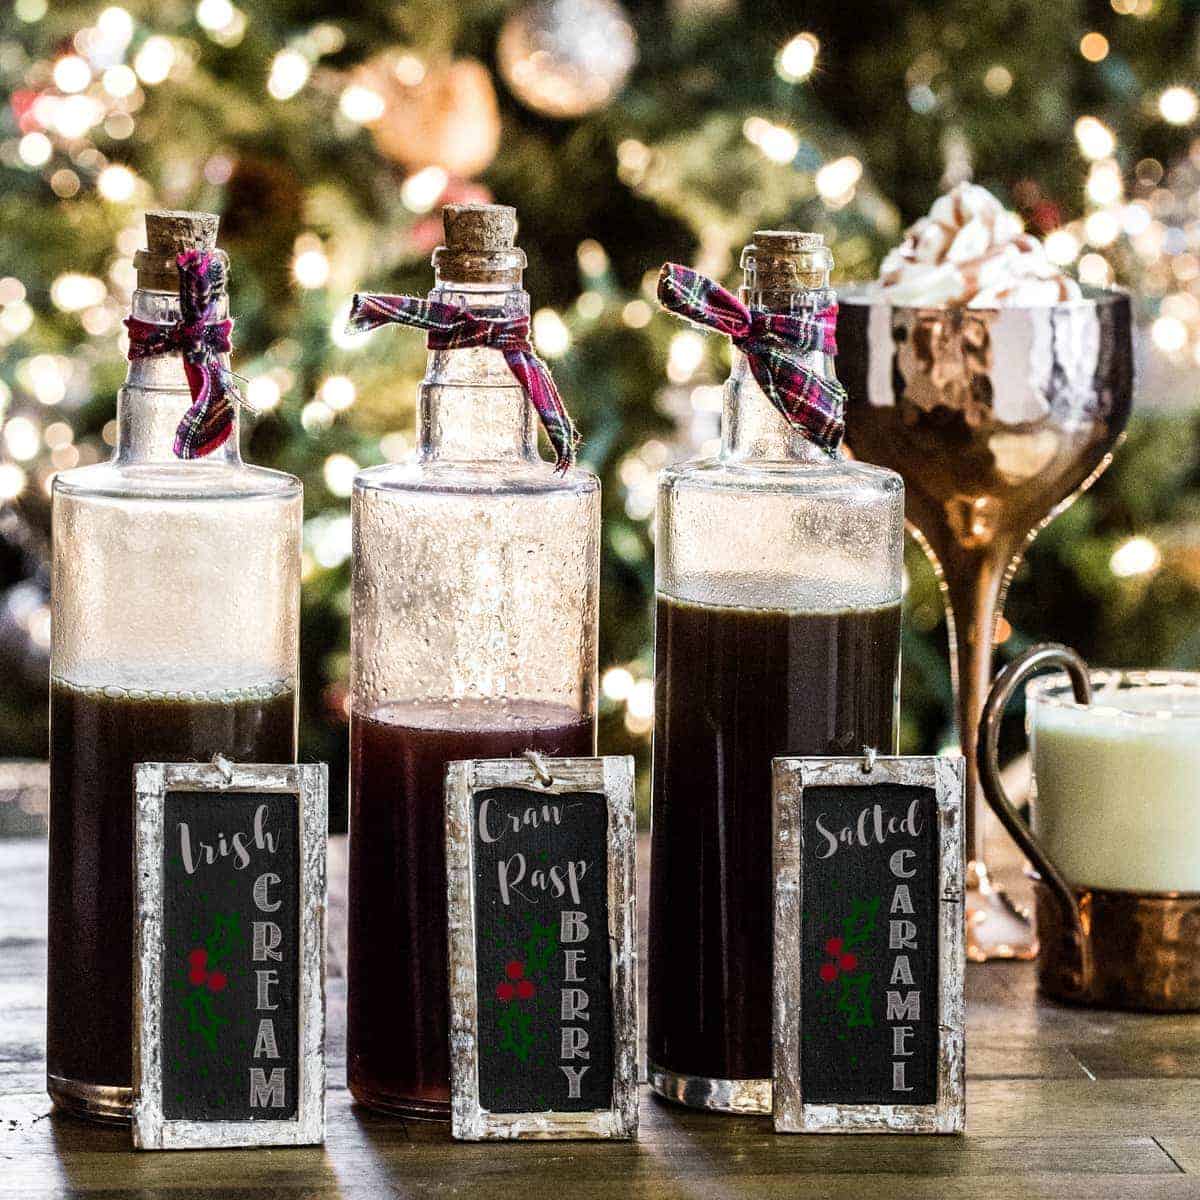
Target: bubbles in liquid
{"type": "Point", "coordinates": [261, 690]}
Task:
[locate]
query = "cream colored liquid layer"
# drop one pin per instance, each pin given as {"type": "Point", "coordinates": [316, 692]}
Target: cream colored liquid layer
{"type": "Point", "coordinates": [1118, 792]}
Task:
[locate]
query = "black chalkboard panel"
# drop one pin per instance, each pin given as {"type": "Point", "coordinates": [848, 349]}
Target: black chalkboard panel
{"type": "Point", "coordinates": [869, 945]}
{"type": "Point", "coordinates": [542, 951]}
{"type": "Point", "coordinates": [230, 956]}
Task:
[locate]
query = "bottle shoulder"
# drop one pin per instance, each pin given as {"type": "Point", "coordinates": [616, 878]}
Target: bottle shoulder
{"type": "Point", "coordinates": [192, 480]}
{"type": "Point", "coordinates": [458, 478]}
{"type": "Point", "coordinates": [831, 477]}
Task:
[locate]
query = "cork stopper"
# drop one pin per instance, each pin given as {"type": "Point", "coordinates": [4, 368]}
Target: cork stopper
{"type": "Point", "coordinates": [479, 226]}
{"type": "Point", "coordinates": [479, 245]}
{"type": "Point", "coordinates": [168, 233]}
{"type": "Point", "coordinates": [786, 241]}
{"type": "Point", "coordinates": [780, 260]}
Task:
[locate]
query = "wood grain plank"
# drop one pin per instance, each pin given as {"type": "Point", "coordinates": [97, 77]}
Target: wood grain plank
{"type": "Point", "coordinates": [1184, 1152]}
{"type": "Point", "coordinates": [1065, 1108]}
{"type": "Point", "coordinates": [648, 1186]}
{"type": "Point", "coordinates": [1166, 1049]}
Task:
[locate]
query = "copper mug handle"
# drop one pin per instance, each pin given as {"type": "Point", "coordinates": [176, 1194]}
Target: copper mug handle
{"type": "Point", "coordinates": [1048, 654]}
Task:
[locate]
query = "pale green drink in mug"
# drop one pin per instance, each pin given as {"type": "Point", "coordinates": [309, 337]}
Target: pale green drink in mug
{"type": "Point", "coordinates": [1117, 782]}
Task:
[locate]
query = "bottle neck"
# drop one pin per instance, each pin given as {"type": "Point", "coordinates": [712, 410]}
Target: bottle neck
{"type": "Point", "coordinates": [753, 430]}
{"type": "Point", "coordinates": [155, 395]}
{"type": "Point", "coordinates": [471, 409]}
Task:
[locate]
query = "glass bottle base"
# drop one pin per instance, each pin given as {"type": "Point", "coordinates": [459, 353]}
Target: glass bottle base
{"type": "Point", "coordinates": [742, 1096]}
{"type": "Point", "coordinates": [412, 1108]}
{"type": "Point", "coordinates": [92, 1101]}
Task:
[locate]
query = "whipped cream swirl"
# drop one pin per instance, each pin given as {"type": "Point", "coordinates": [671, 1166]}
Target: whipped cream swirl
{"type": "Point", "coordinates": [972, 251]}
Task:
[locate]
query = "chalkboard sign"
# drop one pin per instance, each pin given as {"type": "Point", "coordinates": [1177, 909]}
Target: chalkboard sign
{"type": "Point", "coordinates": [540, 887]}
{"type": "Point", "coordinates": [868, 945]}
{"type": "Point", "coordinates": [228, 996]}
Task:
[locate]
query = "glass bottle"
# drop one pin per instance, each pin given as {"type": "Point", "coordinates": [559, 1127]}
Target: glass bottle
{"type": "Point", "coordinates": [176, 595]}
{"type": "Point", "coordinates": [473, 635]}
{"type": "Point", "coordinates": [777, 632]}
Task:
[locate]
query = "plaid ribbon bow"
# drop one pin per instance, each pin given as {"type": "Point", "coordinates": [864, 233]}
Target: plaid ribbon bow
{"type": "Point", "coordinates": [208, 423]}
{"type": "Point", "coordinates": [451, 327]}
{"type": "Point", "coordinates": [772, 343]}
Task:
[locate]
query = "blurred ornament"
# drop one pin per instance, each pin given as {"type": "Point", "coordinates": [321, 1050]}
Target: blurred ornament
{"type": "Point", "coordinates": [1046, 215]}
{"type": "Point", "coordinates": [565, 58]}
{"type": "Point", "coordinates": [432, 114]}
{"type": "Point", "coordinates": [21, 102]}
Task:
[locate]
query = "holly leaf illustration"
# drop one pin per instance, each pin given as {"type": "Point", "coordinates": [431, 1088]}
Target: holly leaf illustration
{"type": "Point", "coordinates": [203, 1018]}
{"type": "Point", "coordinates": [859, 926]}
{"type": "Point", "coordinates": [854, 1000]}
{"type": "Point", "coordinates": [516, 1025]}
{"type": "Point", "coordinates": [539, 946]}
{"type": "Point", "coordinates": [225, 937]}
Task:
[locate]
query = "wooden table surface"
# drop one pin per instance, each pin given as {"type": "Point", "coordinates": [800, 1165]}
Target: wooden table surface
{"type": "Point", "coordinates": [1061, 1103]}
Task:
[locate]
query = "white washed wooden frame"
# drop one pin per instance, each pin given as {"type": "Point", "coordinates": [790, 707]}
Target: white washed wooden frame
{"type": "Point", "coordinates": [792, 1114]}
{"type": "Point", "coordinates": [613, 776]}
{"type": "Point", "coordinates": [309, 782]}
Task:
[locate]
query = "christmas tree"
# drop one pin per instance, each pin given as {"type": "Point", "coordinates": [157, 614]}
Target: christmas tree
{"type": "Point", "coordinates": [328, 137]}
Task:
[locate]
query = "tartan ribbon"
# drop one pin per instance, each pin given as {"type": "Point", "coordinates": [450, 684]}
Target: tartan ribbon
{"type": "Point", "coordinates": [201, 340]}
{"type": "Point", "coordinates": [453, 327]}
{"type": "Point", "coordinates": [773, 343]}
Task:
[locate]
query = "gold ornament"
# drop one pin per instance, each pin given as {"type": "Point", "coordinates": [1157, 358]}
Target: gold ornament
{"type": "Point", "coordinates": [565, 58]}
{"type": "Point", "coordinates": [441, 114]}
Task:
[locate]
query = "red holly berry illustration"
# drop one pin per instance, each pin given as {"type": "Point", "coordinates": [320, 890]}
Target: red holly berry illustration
{"type": "Point", "coordinates": [842, 961]}
{"type": "Point", "coordinates": [197, 962]}
{"type": "Point", "coordinates": [521, 987]}
{"type": "Point", "coordinates": [200, 974]}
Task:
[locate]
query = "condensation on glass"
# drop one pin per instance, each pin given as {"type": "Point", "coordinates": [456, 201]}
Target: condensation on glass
{"type": "Point", "coordinates": [176, 595]}
{"type": "Point", "coordinates": [778, 623]}
{"type": "Point", "coordinates": [473, 634]}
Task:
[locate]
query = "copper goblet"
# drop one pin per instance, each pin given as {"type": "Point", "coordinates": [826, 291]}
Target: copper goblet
{"type": "Point", "coordinates": [996, 419]}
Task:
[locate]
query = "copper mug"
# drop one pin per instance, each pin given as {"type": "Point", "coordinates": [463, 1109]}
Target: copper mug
{"type": "Point", "coordinates": [1111, 947]}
